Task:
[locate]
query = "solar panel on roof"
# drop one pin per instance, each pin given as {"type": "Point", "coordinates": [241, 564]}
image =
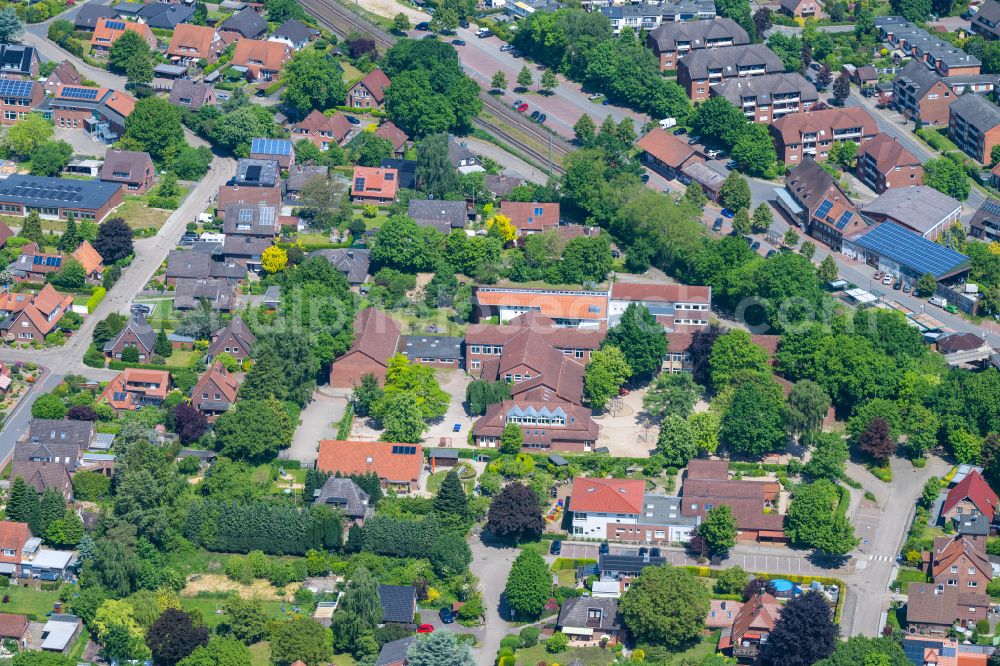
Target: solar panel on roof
{"type": "Point", "coordinates": [246, 215]}
{"type": "Point", "coordinates": [79, 93]}
{"type": "Point", "coordinates": [992, 207]}
{"type": "Point", "coordinates": [404, 450]}
{"type": "Point", "coordinates": [11, 88]}
{"type": "Point", "coordinates": [844, 218]}
{"type": "Point", "coordinates": [359, 184]}
{"type": "Point", "coordinates": [115, 25]}
{"type": "Point", "coordinates": [911, 250]}
{"type": "Point", "coordinates": [824, 208]}
{"type": "Point", "coordinates": [271, 146]}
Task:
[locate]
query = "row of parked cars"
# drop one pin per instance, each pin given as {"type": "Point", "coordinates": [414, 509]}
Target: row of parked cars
{"type": "Point", "coordinates": [522, 107]}
{"type": "Point", "coordinates": [605, 548]}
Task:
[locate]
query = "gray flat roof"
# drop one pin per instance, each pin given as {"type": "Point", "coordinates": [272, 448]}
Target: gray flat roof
{"type": "Point", "coordinates": [46, 192]}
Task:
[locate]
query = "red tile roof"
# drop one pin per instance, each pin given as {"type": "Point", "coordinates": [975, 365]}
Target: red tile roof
{"type": "Point", "coordinates": [88, 257]}
{"type": "Point", "coordinates": [667, 148]}
{"type": "Point", "coordinates": [376, 82]}
{"type": "Point", "coordinates": [353, 457]}
{"type": "Point", "coordinates": [121, 102]}
{"type": "Point", "coordinates": [257, 55]}
{"type": "Point", "coordinates": [375, 182]}
{"type": "Point", "coordinates": [607, 495]}
{"type": "Point", "coordinates": [105, 35]}
{"type": "Point", "coordinates": [583, 305]}
{"type": "Point", "coordinates": [188, 36]}
{"type": "Point", "coordinates": [888, 153]}
{"type": "Point", "coordinates": [13, 626]}
{"type": "Point", "coordinates": [388, 130]}
{"type": "Point", "coordinates": [12, 537]}
{"type": "Point", "coordinates": [974, 488]}
{"type": "Point", "coordinates": [530, 216]}
{"type": "Point", "coordinates": [316, 122]}
{"type": "Point", "coordinates": [792, 126]}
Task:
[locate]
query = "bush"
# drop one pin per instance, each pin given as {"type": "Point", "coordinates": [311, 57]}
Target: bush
{"type": "Point", "coordinates": [529, 636]}
{"type": "Point", "coordinates": [558, 643]}
{"type": "Point", "coordinates": [993, 589]}
{"type": "Point", "coordinates": [983, 626]}
{"type": "Point", "coordinates": [96, 298]}
{"type": "Point", "coordinates": [189, 465]}
{"type": "Point", "coordinates": [512, 642]}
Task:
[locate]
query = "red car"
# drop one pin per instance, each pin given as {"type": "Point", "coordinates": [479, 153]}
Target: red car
{"type": "Point", "coordinates": [425, 629]}
{"type": "Point", "coordinates": [623, 391]}
{"type": "Point", "coordinates": [522, 108]}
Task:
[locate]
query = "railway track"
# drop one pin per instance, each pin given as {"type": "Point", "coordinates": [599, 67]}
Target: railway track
{"type": "Point", "coordinates": [343, 21]}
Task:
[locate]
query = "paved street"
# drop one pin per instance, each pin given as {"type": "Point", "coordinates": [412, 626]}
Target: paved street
{"type": "Point", "coordinates": [492, 565]}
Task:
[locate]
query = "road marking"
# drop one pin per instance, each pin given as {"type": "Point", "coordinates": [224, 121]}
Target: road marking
{"type": "Point", "coordinates": [880, 558]}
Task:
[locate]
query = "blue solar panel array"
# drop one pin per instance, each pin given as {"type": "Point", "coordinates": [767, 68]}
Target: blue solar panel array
{"type": "Point", "coordinates": [915, 252]}
{"type": "Point", "coordinates": [115, 25]}
{"type": "Point", "coordinates": [11, 88]}
{"type": "Point", "coordinates": [271, 147]}
{"type": "Point", "coordinates": [79, 93]}
{"type": "Point", "coordinates": [824, 208]}
{"type": "Point", "coordinates": [844, 218]}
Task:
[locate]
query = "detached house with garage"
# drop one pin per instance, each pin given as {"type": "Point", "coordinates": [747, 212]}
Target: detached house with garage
{"type": "Point", "coordinates": [619, 510]}
{"type": "Point", "coordinates": [30, 318]}
{"type": "Point", "coordinates": [107, 32]}
{"type": "Point", "coordinates": [376, 335]}
{"type": "Point", "coordinates": [398, 466]}
{"type": "Point", "coordinates": [753, 623]}
{"type": "Point", "coordinates": [369, 92]}
{"type": "Point", "coordinates": [970, 497]}
{"type": "Point", "coordinates": [244, 24]}
{"type": "Point", "coordinates": [324, 131]}
{"type": "Point", "coordinates": [192, 94]}
{"type": "Point", "coordinates": [191, 43]}
{"type": "Point", "coordinates": [263, 60]}
{"type": "Point", "coordinates": [137, 333]}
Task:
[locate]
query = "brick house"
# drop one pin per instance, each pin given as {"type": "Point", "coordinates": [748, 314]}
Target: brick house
{"type": "Point", "coordinates": [30, 319]}
{"type": "Point", "coordinates": [13, 538]}
{"type": "Point", "coordinates": [398, 466]}
{"type": "Point", "coordinates": [707, 485]}
{"type": "Point", "coordinates": [91, 261]}
{"type": "Point", "coordinates": [108, 31]}
{"type": "Point", "coordinates": [986, 21]}
{"type": "Point", "coordinates": [971, 496]}
{"type": "Point", "coordinates": [485, 343]}
{"type": "Point", "coordinates": [18, 62]}
{"type": "Point", "coordinates": [18, 99]}
{"type": "Point", "coordinates": [191, 43]}
{"type": "Point", "coordinates": [884, 163]}
{"type": "Point", "coordinates": [800, 134]}
{"type": "Point", "coordinates": [235, 339]}
{"type": "Point", "coordinates": [974, 124]}
{"type": "Point", "coordinates": [134, 388]}
{"type": "Point", "coordinates": [932, 610]}
{"type": "Point", "coordinates": [374, 185]}
{"type": "Point", "coordinates": [322, 130]}
{"type": "Point", "coordinates": [55, 441]}
{"type": "Point", "coordinates": [15, 628]}
{"type": "Point", "coordinates": [133, 169]}
{"type": "Point", "coordinates": [768, 97]}
{"type": "Point", "coordinates": [920, 93]}
{"type": "Point", "coordinates": [399, 139]}
{"type": "Point", "coordinates": [56, 198]}
{"type": "Point", "coordinates": [34, 265]}
{"type": "Point", "coordinates": [192, 94]}
{"type": "Point", "coordinates": [620, 510]}
{"type": "Point", "coordinates": [137, 333]}
{"type": "Point", "coordinates": [546, 426]}
{"type": "Point", "coordinates": [369, 92]}
{"type": "Point", "coordinates": [44, 475]}
{"type": "Point", "coordinates": [247, 23]}
{"type": "Point", "coordinates": [672, 305]}
{"type": "Point", "coordinates": [215, 392]}
{"type": "Point", "coordinates": [280, 150]}
{"type": "Point", "coordinates": [263, 60]}
{"type": "Point", "coordinates": [961, 561]}
{"type": "Point", "coordinates": [753, 623]}
{"type": "Point", "coordinates": [375, 338]}
{"type": "Point", "coordinates": [666, 153]}
{"type": "Point", "coordinates": [672, 41]}
{"type": "Point", "coordinates": [818, 205]}
{"type": "Point", "coordinates": [436, 351]}
{"type": "Point", "coordinates": [700, 70]}
{"type": "Point", "coordinates": [803, 8]}
{"type": "Point", "coordinates": [531, 217]}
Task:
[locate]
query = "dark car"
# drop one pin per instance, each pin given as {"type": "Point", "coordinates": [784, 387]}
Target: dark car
{"type": "Point", "coordinates": [643, 551]}
{"type": "Point", "coordinates": [189, 238]}
{"type": "Point", "coordinates": [755, 245]}
{"type": "Point", "coordinates": [261, 92]}
{"type": "Point", "coordinates": [717, 225]}
{"type": "Point", "coordinates": [353, 120]}
{"type": "Point", "coordinates": [771, 253]}
{"type": "Point", "coordinates": [534, 114]}
{"type": "Point", "coordinates": [446, 615]}
{"type": "Point", "coordinates": [556, 547]}
{"type": "Point", "coordinates": [463, 23]}
{"type": "Point", "coordinates": [542, 118]}
{"type": "Point", "coordinates": [679, 131]}
{"type": "Point", "coordinates": [605, 548]}
{"type": "Point", "coordinates": [644, 178]}
{"type": "Point", "coordinates": [654, 552]}
{"type": "Point", "coordinates": [605, 102]}
{"type": "Point", "coordinates": [423, 26]}
{"type": "Point", "coordinates": [458, 42]}
{"type": "Point", "coordinates": [515, 104]}
{"type": "Point", "coordinates": [898, 285]}
{"type": "Point", "coordinates": [727, 213]}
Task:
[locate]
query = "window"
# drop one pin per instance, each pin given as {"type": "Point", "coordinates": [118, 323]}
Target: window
{"type": "Point", "coordinates": [9, 552]}
{"type": "Point", "coordinates": [476, 349]}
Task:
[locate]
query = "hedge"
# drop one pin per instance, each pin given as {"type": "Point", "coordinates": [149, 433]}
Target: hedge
{"type": "Point", "coordinates": [344, 430]}
{"type": "Point", "coordinates": [563, 563]}
{"type": "Point", "coordinates": [273, 88]}
{"type": "Point", "coordinates": [95, 299]}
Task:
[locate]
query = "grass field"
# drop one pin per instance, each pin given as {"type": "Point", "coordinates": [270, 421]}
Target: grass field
{"type": "Point", "coordinates": [907, 576]}
{"type": "Point", "coordinates": [24, 601]}
{"type": "Point", "coordinates": [588, 656]}
{"type": "Point", "coordinates": [140, 216]}
{"type": "Point", "coordinates": [260, 654]}
{"type": "Point", "coordinates": [208, 605]}
{"type": "Point", "coordinates": [351, 73]}
{"type": "Point", "coordinates": [698, 652]}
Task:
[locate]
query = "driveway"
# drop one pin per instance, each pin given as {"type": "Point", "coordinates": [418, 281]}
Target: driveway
{"type": "Point", "coordinates": [83, 143]}
{"type": "Point", "coordinates": [319, 420]}
{"type": "Point", "coordinates": [492, 566]}
{"type": "Point", "coordinates": [453, 382]}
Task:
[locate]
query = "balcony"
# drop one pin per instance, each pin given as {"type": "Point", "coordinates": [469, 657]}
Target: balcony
{"type": "Point", "coordinates": [746, 651]}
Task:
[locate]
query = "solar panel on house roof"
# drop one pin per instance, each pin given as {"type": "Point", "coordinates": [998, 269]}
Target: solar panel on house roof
{"type": "Point", "coordinates": [11, 88]}
{"type": "Point", "coordinates": [405, 450]}
{"type": "Point", "coordinates": [844, 218]}
{"type": "Point", "coordinates": [246, 215]}
{"type": "Point", "coordinates": [992, 208]}
{"type": "Point", "coordinates": [115, 25]}
{"type": "Point", "coordinates": [911, 250]}
{"type": "Point", "coordinates": [79, 93]}
{"type": "Point", "coordinates": [359, 184]}
{"type": "Point", "coordinates": [824, 208]}
{"type": "Point", "coordinates": [271, 147]}
{"type": "Point", "coordinates": [267, 216]}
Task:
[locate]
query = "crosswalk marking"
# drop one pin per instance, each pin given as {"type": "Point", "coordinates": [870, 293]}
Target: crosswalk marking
{"type": "Point", "coordinates": [880, 558]}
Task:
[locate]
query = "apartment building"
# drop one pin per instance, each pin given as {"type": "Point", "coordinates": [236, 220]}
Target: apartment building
{"type": "Point", "coordinates": [920, 93]}
{"type": "Point", "coordinates": [649, 15]}
{"type": "Point", "coordinates": [986, 22]}
{"type": "Point", "coordinates": [814, 133]}
{"type": "Point", "coordinates": [700, 70]}
{"type": "Point", "coordinates": [769, 97]}
{"type": "Point", "coordinates": [884, 163]}
{"type": "Point", "coordinates": [672, 41]}
{"type": "Point", "coordinates": [974, 125]}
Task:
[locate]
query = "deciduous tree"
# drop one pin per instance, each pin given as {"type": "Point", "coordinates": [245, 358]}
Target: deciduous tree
{"type": "Point", "coordinates": [641, 339]}
{"type": "Point", "coordinates": [804, 633]}
{"type": "Point", "coordinates": [301, 639]}
{"type": "Point", "coordinates": [665, 606]}
{"type": "Point", "coordinates": [719, 530]}
{"type": "Point", "coordinates": [173, 636]}
{"type": "Point", "coordinates": [27, 134]}
{"type": "Point", "coordinates": [312, 80]}
{"type": "Point", "coordinates": [114, 240]}
{"type": "Point", "coordinates": [605, 373]}
{"type": "Point", "coordinates": [512, 439]}
{"type": "Point", "coordinates": [735, 192]}
{"type": "Point", "coordinates": [676, 442]}
{"type": "Point", "coordinates": [254, 430]}
{"type": "Point", "coordinates": [515, 514]}
{"type": "Point", "coordinates": [529, 585]}
{"type": "Point", "coordinates": [876, 440]}
{"type": "Point", "coordinates": [154, 125]}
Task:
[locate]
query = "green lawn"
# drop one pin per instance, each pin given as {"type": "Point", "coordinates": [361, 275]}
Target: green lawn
{"type": "Point", "coordinates": [588, 656]}
{"type": "Point", "coordinates": [140, 216]}
{"type": "Point", "coordinates": [183, 358]}
{"type": "Point", "coordinates": [907, 575]}
{"type": "Point", "coordinates": [343, 660]}
{"type": "Point", "coordinates": [698, 652]}
{"type": "Point", "coordinates": [24, 601]}
{"type": "Point", "coordinates": [208, 606]}
{"type": "Point", "coordinates": [351, 73]}
{"type": "Point", "coordinates": [260, 654]}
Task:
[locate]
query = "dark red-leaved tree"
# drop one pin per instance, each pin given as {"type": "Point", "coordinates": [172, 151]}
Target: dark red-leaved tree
{"type": "Point", "coordinates": [173, 636]}
{"type": "Point", "coordinates": [190, 423]}
{"type": "Point", "coordinates": [876, 440]}
{"type": "Point", "coordinates": [114, 240]}
{"type": "Point", "coordinates": [81, 413]}
{"type": "Point", "coordinates": [362, 46]}
{"type": "Point", "coordinates": [804, 634]}
{"type": "Point", "coordinates": [516, 514]}
{"type": "Point", "coordinates": [756, 586]}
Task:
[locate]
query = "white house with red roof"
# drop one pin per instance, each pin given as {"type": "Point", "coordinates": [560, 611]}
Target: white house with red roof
{"type": "Point", "coordinates": [671, 304]}
{"type": "Point", "coordinates": [969, 498]}
{"type": "Point", "coordinates": [597, 502]}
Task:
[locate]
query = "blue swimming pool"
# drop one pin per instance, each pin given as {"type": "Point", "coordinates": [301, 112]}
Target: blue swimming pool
{"type": "Point", "coordinates": [782, 585]}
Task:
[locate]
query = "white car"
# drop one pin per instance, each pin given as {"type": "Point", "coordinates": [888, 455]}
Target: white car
{"type": "Point", "coordinates": [712, 154]}
{"type": "Point", "coordinates": [594, 96]}
{"type": "Point", "coordinates": [887, 279]}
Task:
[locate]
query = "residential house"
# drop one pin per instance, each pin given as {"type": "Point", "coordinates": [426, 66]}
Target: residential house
{"type": "Point", "coordinates": [932, 610]}
{"type": "Point", "coordinates": [108, 31]}
{"type": "Point", "coordinates": [814, 133]}
{"type": "Point", "coordinates": [666, 153]}
{"type": "Point", "coordinates": [590, 620]}
{"type": "Point", "coordinates": [919, 208]}
{"type": "Point", "coordinates": [18, 62]}
{"type": "Point", "coordinates": [237, 194]}
{"type": "Point", "coordinates": [369, 92]}
{"type": "Point", "coordinates": [920, 93]}
{"type": "Point", "coordinates": [768, 97]}
{"type": "Point", "coordinates": [399, 139]}
{"type": "Point", "coordinates": [531, 217]}
{"type": "Point", "coordinates": [884, 163]}
{"type": "Point", "coordinates": [985, 223]}
{"type": "Point", "coordinates": [672, 41]}
{"type": "Point", "coordinates": [189, 264]}
{"type": "Point", "coordinates": [18, 99]}
{"type": "Point", "coordinates": [699, 70]}
{"type": "Point", "coordinates": [399, 603]}
{"type": "Point", "coordinates": [191, 43]}
{"type": "Point", "coordinates": [215, 391]}
{"type": "Point", "coordinates": [928, 651]}
{"type": "Point", "coordinates": [346, 496]}
{"type": "Point", "coordinates": [166, 15]}
{"type": "Point", "coordinates": [462, 158]}
{"type": "Point", "coordinates": [960, 561]}
{"type": "Point", "coordinates": [442, 215]}
{"type": "Point", "coordinates": [235, 339]}
{"type": "Point", "coordinates": [501, 186]}
{"type": "Point", "coordinates": [619, 510]}
{"type": "Point", "coordinates": [986, 21]}
{"type": "Point", "coordinates": [254, 172]}
{"type": "Point", "coordinates": [323, 130]}
{"type": "Point", "coordinates": [33, 264]}
{"type": "Point", "coordinates": [134, 170]}
{"type": "Point", "coordinates": [57, 198]}
{"type": "Point", "coordinates": [92, 262]}
{"type": "Point", "coordinates": [375, 338]}
{"type": "Point", "coordinates": [42, 475]}
{"type": "Point", "coordinates": [972, 496]}
{"type": "Point", "coordinates": [263, 60]}
{"type": "Point", "coordinates": [671, 304]}
{"type": "Point", "coordinates": [295, 33]}
{"type": "Point", "coordinates": [802, 8]}
{"type": "Point", "coordinates": [300, 174]}
{"type": "Point", "coordinates": [352, 262]}
{"type": "Point", "coordinates": [14, 628]}
{"type": "Point", "coordinates": [89, 14]}
{"type": "Point", "coordinates": [941, 57]}
{"type": "Point", "coordinates": [546, 425]}
{"type": "Point", "coordinates": [818, 204]}
{"type": "Point", "coordinates": [280, 150]}
{"type": "Point", "coordinates": [974, 125]}
{"type": "Point", "coordinates": [192, 94]}
{"type": "Point", "coordinates": [14, 537]}
{"type": "Point", "coordinates": [246, 250]}
{"type": "Point", "coordinates": [406, 171]}
{"type": "Point", "coordinates": [135, 388]}
{"type": "Point", "coordinates": [374, 185]}
{"type": "Point", "coordinates": [437, 351]}
{"type": "Point", "coordinates": [101, 112]}
{"type": "Point", "coordinates": [707, 485]}
{"type": "Point", "coordinates": [394, 653]}
{"type": "Point", "coordinates": [398, 466]}
{"type": "Point", "coordinates": [751, 627]}
{"type": "Point", "coordinates": [55, 441]}
{"type": "Point", "coordinates": [254, 220]}
{"type": "Point", "coordinates": [649, 15]}
{"type": "Point", "coordinates": [65, 73]}
{"type": "Point", "coordinates": [218, 293]}
{"type": "Point", "coordinates": [571, 308]}
{"type": "Point", "coordinates": [246, 24]}
{"type": "Point", "coordinates": [31, 318]}
{"type": "Point", "coordinates": [137, 333]}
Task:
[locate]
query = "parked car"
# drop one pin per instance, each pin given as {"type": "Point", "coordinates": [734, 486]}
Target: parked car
{"type": "Point", "coordinates": [755, 246]}
{"type": "Point", "coordinates": [717, 225]}
{"type": "Point", "coordinates": [679, 131]}
{"type": "Point", "coordinates": [951, 309]}
{"type": "Point", "coordinates": [516, 104]}
{"type": "Point", "coordinates": [425, 629]}
{"type": "Point", "coordinates": [446, 615]}
{"type": "Point", "coordinates": [644, 178]}
{"type": "Point", "coordinates": [188, 238]}
{"type": "Point", "coordinates": [907, 288]}
{"type": "Point", "coordinates": [522, 108]}
{"type": "Point", "coordinates": [506, 47]}
{"type": "Point", "coordinates": [542, 118]}
{"type": "Point", "coordinates": [898, 285]}
{"type": "Point", "coordinates": [887, 279]}
{"type": "Point", "coordinates": [482, 33]}
{"type": "Point", "coordinates": [458, 42]}
{"type": "Point", "coordinates": [771, 253]}
{"type": "Point", "coordinates": [423, 26]}
{"type": "Point", "coordinates": [534, 114]}
{"type": "Point", "coordinates": [556, 547]}
{"type": "Point", "coordinates": [728, 213]}
{"type": "Point", "coordinates": [604, 549]}
{"type": "Point", "coordinates": [693, 140]}
{"type": "Point", "coordinates": [464, 23]}
{"type": "Point", "coordinates": [591, 97]}
{"type": "Point", "coordinates": [515, 53]}
{"type": "Point", "coordinates": [353, 120]}
{"type": "Point", "coordinates": [712, 154]}
{"type": "Point", "coordinates": [643, 551]}
{"type": "Point", "coordinates": [732, 164]}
